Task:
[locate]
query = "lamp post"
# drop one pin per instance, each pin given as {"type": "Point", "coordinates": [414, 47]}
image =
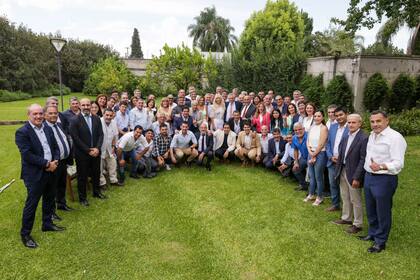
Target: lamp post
{"type": "Point", "coordinates": [58, 45]}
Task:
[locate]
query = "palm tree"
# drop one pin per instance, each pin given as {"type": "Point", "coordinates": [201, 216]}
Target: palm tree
{"type": "Point", "coordinates": [212, 32]}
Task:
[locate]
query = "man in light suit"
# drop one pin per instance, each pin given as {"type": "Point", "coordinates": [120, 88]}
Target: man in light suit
{"type": "Point", "coordinates": [204, 146]}
{"type": "Point", "coordinates": [248, 146]}
{"type": "Point", "coordinates": [224, 143]}
{"type": "Point", "coordinates": [87, 135]}
{"type": "Point", "coordinates": [40, 154]}
{"type": "Point", "coordinates": [350, 173]}
{"type": "Point", "coordinates": [335, 134]}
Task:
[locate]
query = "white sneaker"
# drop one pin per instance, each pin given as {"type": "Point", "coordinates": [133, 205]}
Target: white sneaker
{"type": "Point", "coordinates": [309, 198]}
{"type": "Point", "coordinates": [167, 167]}
{"type": "Point", "coordinates": [318, 201]}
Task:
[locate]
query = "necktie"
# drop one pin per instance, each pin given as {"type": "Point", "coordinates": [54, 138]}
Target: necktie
{"type": "Point", "coordinates": [66, 152]}
{"type": "Point", "coordinates": [89, 123]}
{"type": "Point", "coordinates": [245, 110]}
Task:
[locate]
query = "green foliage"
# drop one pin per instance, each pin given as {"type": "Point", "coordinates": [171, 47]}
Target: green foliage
{"type": "Point", "coordinates": [335, 42]}
{"type": "Point", "coordinates": [376, 92]}
{"type": "Point", "coordinates": [108, 75]}
{"type": "Point", "coordinates": [406, 122]}
{"type": "Point", "coordinates": [7, 96]}
{"type": "Point", "coordinates": [403, 93]}
{"type": "Point", "coordinates": [28, 61]}
{"type": "Point", "coordinates": [177, 68]}
{"type": "Point", "coordinates": [312, 88]}
{"type": "Point", "coordinates": [368, 13]}
{"type": "Point", "coordinates": [224, 74]}
{"type": "Point", "coordinates": [136, 51]}
{"type": "Point", "coordinates": [417, 95]}
{"type": "Point", "coordinates": [212, 33]}
{"type": "Point", "coordinates": [379, 48]}
{"type": "Point", "coordinates": [338, 92]}
{"type": "Point", "coordinates": [52, 90]}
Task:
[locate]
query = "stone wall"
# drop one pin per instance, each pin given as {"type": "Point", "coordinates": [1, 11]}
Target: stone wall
{"type": "Point", "coordinates": [358, 70]}
{"type": "Point", "coordinates": [137, 66]}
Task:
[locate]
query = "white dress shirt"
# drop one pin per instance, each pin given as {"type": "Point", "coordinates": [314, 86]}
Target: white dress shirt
{"type": "Point", "coordinates": [110, 135]}
{"type": "Point", "coordinates": [58, 140]}
{"type": "Point", "coordinates": [182, 141]}
{"type": "Point", "coordinates": [128, 143]}
{"type": "Point", "coordinates": [39, 131]}
{"type": "Point", "coordinates": [288, 152]}
{"type": "Point", "coordinates": [338, 137]}
{"type": "Point", "coordinates": [264, 142]}
{"type": "Point", "coordinates": [387, 147]}
{"type": "Point", "coordinates": [138, 117]}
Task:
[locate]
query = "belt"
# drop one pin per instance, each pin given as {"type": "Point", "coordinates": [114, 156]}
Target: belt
{"type": "Point", "coordinates": [375, 174]}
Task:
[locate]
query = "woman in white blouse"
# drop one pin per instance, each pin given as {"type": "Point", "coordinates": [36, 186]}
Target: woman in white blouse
{"type": "Point", "coordinates": [309, 119]}
{"type": "Point", "coordinates": [217, 111]}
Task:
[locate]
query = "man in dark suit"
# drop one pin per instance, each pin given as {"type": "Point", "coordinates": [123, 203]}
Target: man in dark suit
{"type": "Point", "coordinates": [184, 117]}
{"type": "Point", "coordinates": [66, 156]}
{"type": "Point", "coordinates": [74, 110]}
{"type": "Point", "coordinates": [231, 106]}
{"type": "Point", "coordinates": [61, 118]}
{"type": "Point", "coordinates": [236, 123]}
{"type": "Point", "coordinates": [39, 154]}
{"type": "Point", "coordinates": [87, 135]}
{"type": "Point", "coordinates": [204, 146]}
{"type": "Point", "coordinates": [276, 147]}
{"type": "Point", "coordinates": [248, 109]}
{"type": "Point", "coordinates": [350, 173]}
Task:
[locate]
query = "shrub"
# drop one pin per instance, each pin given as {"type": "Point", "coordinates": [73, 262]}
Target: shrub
{"type": "Point", "coordinates": [7, 96]}
{"type": "Point", "coordinates": [338, 92]}
{"type": "Point", "coordinates": [417, 90]}
{"type": "Point", "coordinates": [403, 94]}
{"type": "Point", "coordinates": [108, 75]}
{"type": "Point", "coordinates": [376, 92]}
{"type": "Point", "coordinates": [312, 88]}
{"type": "Point", "coordinates": [407, 122]}
{"type": "Point", "coordinates": [52, 90]}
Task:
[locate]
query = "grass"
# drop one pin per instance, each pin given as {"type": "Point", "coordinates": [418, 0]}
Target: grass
{"type": "Point", "coordinates": [232, 223]}
{"type": "Point", "coordinates": [10, 111]}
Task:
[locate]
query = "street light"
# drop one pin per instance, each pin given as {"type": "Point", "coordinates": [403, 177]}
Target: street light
{"type": "Point", "coordinates": [58, 45]}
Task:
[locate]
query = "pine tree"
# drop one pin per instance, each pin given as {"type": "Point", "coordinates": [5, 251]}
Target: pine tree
{"type": "Point", "coordinates": [136, 51]}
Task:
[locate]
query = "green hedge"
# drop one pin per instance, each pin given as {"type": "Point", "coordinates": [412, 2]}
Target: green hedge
{"type": "Point", "coordinates": [7, 96]}
{"type": "Point", "coordinates": [338, 92]}
{"type": "Point", "coordinates": [312, 88]}
{"type": "Point", "coordinates": [407, 122]}
{"type": "Point", "coordinates": [376, 92]}
{"type": "Point", "coordinates": [52, 90]}
{"type": "Point", "coordinates": [403, 94]}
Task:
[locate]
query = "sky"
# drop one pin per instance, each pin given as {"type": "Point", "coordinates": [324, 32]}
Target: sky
{"type": "Point", "coordinates": [111, 22]}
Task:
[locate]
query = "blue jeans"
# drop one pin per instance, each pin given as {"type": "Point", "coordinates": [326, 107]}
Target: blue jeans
{"type": "Point", "coordinates": [134, 163]}
{"type": "Point", "coordinates": [334, 186]}
{"type": "Point", "coordinates": [300, 173]}
{"type": "Point", "coordinates": [316, 174]}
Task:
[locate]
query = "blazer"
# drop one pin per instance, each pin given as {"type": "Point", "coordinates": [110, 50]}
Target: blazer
{"type": "Point", "coordinates": [209, 142]}
{"type": "Point", "coordinates": [179, 120]}
{"type": "Point", "coordinates": [82, 138]}
{"type": "Point", "coordinates": [219, 136]}
{"type": "Point", "coordinates": [250, 112]}
{"type": "Point", "coordinates": [332, 132]}
{"type": "Point", "coordinates": [355, 158]}
{"type": "Point", "coordinates": [255, 142]}
{"type": "Point", "coordinates": [238, 107]}
{"type": "Point", "coordinates": [272, 148]}
{"type": "Point", "coordinates": [266, 121]}
{"type": "Point", "coordinates": [65, 124]}
{"type": "Point", "coordinates": [70, 159]}
{"type": "Point", "coordinates": [231, 123]}
{"type": "Point", "coordinates": [32, 153]}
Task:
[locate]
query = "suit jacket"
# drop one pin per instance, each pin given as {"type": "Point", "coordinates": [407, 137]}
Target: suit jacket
{"type": "Point", "coordinates": [238, 107]}
{"type": "Point", "coordinates": [255, 142]}
{"type": "Point", "coordinates": [332, 132]}
{"type": "Point", "coordinates": [179, 120]}
{"type": "Point", "coordinates": [282, 109]}
{"type": "Point", "coordinates": [272, 148]}
{"type": "Point", "coordinates": [65, 124]}
{"type": "Point", "coordinates": [355, 158]}
{"type": "Point", "coordinates": [257, 125]}
{"type": "Point", "coordinates": [219, 136]}
{"type": "Point", "coordinates": [231, 123]}
{"type": "Point", "coordinates": [70, 159]}
{"type": "Point", "coordinates": [250, 112]}
{"type": "Point", "coordinates": [32, 153]}
{"type": "Point", "coordinates": [82, 138]}
{"type": "Point", "coordinates": [209, 142]}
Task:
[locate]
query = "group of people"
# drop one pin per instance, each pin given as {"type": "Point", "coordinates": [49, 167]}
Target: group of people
{"type": "Point", "coordinates": [115, 134]}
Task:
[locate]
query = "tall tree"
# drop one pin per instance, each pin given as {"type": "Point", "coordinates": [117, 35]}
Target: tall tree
{"type": "Point", "coordinates": [211, 32]}
{"type": "Point", "coordinates": [136, 51]}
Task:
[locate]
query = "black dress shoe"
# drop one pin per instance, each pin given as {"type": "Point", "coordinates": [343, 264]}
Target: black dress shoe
{"type": "Point", "coordinates": [53, 228]}
{"type": "Point", "coordinates": [28, 241]}
{"type": "Point", "coordinates": [99, 195]}
{"type": "Point", "coordinates": [134, 176]}
{"type": "Point", "coordinates": [119, 184]}
{"type": "Point", "coordinates": [84, 203]}
{"type": "Point", "coordinates": [64, 208]}
{"type": "Point", "coordinates": [55, 217]}
{"type": "Point", "coordinates": [366, 238]}
{"type": "Point", "coordinates": [376, 248]}
{"type": "Point", "coordinates": [208, 167]}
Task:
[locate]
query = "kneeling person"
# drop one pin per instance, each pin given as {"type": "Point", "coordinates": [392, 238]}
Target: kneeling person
{"type": "Point", "coordinates": [205, 146]}
{"type": "Point", "coordinates": [224, 143]}
{"type": "Point", "coordinates": [147, 163]}
{"type": "Point", "coordinates": [183, 144]}
{"type": "Point", "coordinates": [248, 147]}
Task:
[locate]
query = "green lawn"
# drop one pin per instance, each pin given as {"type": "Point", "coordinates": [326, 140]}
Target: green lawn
{"type": "Point", "coordinates": [10, 111]}
{"type": "Point", "coordinates": [191, 224]}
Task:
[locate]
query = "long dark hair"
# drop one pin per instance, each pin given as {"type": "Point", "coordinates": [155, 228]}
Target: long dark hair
{"type": "Point", "coordinates": [273, 120]}
{"type": "Point", "coordinates": [294, 106]}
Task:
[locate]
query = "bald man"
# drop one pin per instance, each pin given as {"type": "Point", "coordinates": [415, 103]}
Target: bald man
{"type": "Point", "coordinates": [40, 154]}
